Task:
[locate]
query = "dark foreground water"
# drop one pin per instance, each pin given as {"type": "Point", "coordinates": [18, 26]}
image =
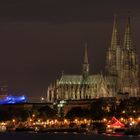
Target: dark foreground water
{"type": "Point", "coordinates": [62, 136]}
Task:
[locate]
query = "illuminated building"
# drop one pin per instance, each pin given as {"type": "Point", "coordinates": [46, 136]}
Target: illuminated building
{"type": "Point", "coordinates": [122, 62]}
{"type": "Point", "coordinates": [9, 99]}
{"type": "Point", "coordinates": [13, 100]}
{"type": "Point", "coordinates": [121, 78]}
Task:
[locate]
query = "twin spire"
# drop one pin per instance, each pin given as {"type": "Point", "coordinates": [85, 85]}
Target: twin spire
{"type": "Point", "coordinates": [115, 41]}
{"type": "Point", "coordinates": [128, 35]}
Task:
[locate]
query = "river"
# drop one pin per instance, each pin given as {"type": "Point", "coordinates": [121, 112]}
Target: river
{"type": "Point", "coordinates": [62, 136]}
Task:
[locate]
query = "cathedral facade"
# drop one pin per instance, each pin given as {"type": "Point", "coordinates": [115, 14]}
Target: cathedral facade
{"type": "Point", "coordinates": [121, 78]}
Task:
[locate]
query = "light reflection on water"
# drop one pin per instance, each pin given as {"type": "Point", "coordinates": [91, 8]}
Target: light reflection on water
{"type": "Point", "coordinates": [64, 136]}
{"type": "Point", "coordinates": [122, 135]}
{"type": "Point", "coordinates": [117, 135]}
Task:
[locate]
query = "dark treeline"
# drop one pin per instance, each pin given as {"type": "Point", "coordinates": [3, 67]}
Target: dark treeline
{"type": "Point", "coordinates": [99, 109]}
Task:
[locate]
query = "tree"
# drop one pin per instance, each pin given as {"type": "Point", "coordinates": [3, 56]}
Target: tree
{"type": "Point", "coordinates": [98, 109]}
{"type": "Point", "coordinates": [78, 112]}
{"type": "Point", "coordinates": [47, 112]}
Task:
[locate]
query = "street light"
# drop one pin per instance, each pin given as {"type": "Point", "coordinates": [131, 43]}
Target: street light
{"type": "Point", "coordinates": [42, 99]}
{"type": "Point", "coordinates": [33, 115]}
{"type": "Point", "coordinates": [60, 107]}
{"type": "Point", "coordinates": [13, 120]}
{"type": "Point", "coordinates": [123, 112]}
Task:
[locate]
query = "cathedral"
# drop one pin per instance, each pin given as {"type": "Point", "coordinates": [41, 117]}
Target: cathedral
{"type": "Point", "coordinates": [120, 80]}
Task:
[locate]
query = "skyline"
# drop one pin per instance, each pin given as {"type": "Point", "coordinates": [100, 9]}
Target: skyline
{"type": "Point", "coordinates": [44, 37]}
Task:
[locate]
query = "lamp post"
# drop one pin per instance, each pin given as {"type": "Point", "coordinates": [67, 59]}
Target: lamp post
{"type": "Point", "coordinates": [42, 99]}
{"type": "Point", "coordinates": [60, 108]}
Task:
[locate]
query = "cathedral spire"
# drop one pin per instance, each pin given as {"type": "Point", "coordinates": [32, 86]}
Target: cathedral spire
{"type": "Point", "coordinates": [128, 35]}
{"type": "Point", "coordinates": [85, 64]}
{"type": "Point", "coordinates": [86, 54]}
{"type": "Point", "coordinates": [115, 41]}
{"type": "Point", "coordinates": [114, 52]}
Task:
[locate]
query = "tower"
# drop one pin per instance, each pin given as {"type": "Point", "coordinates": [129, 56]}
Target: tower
{"type": "Point", "coordinates": [113, 60]}
{"type": "Point", "coordinates": [129, 72]}
{"type": "Point", "coordinates": [85, 70]}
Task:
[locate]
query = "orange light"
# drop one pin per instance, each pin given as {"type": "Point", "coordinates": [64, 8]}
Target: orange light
{"type": "Point", "coordinates": [131, 118]}
{"type": "Point", "coordinates": [122, 119]}
{"type": "Point", "coordinates": [31, 120]}
{"type": "Point", "coordinates": [108, 126]}
{"type": "Point", "coordinates": [104, 119]}
{"type": "Point", "coordinates": [65, 121]}
{"type": "Point", "coordinates": [14, 120]}
{"type": "Point", "coordinates": [76, 120]}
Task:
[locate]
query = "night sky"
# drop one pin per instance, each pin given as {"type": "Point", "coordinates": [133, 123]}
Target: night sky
{"type": "Point", "coordinates": [40, 38]}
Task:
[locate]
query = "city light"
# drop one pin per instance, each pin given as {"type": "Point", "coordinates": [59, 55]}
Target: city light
{"type": "Point", "coordinates": [13, 99]}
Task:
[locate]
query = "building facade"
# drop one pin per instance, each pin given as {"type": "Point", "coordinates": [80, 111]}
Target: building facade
{"type": "Point", "coordinates": [121, 78]}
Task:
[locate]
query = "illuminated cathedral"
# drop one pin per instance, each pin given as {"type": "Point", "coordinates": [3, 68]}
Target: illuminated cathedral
{"type": "Point", "coordinates": [121, 78]}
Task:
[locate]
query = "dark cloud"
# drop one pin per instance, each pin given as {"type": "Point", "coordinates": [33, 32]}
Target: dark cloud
{"type": "Point", "coordinates": [62, 10]}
